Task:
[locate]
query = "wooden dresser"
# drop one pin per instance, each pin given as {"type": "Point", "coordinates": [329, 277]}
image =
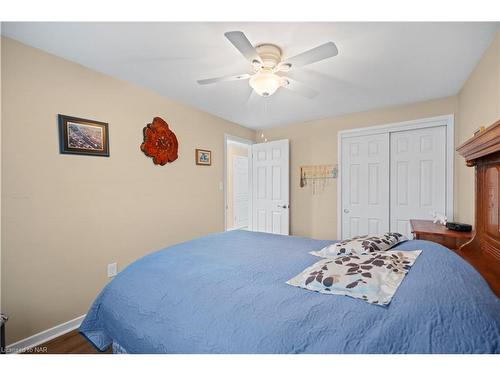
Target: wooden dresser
{"type": "Point", "coordinates": [483, 153]}
{"type": "Point", "coordinates": [427, 230]}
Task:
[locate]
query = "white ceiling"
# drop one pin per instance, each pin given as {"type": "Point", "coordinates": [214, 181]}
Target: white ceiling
{"type": "Point", "coordinates": [379, 64]}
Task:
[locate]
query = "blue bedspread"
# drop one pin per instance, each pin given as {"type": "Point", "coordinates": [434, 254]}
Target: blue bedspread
{"type": "Point", "coordinates": [226, 293]}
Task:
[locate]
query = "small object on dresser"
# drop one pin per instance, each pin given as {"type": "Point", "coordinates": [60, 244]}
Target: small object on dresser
{"type": "Point", "coordinates": [438, 218]}
{"type": "Point", "coordinates": [459, 227]}
{"type": "Point", "coordinates": [479, 130]}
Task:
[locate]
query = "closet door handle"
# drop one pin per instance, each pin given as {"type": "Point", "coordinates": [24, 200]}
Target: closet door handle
{"type": "Point", "coordinates": [346, 211]}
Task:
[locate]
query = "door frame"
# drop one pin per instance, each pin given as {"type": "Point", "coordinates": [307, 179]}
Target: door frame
{"type": "Point", "coordinates": [445, 120]}
{"type": "Point", "coordinates": [249, 142]}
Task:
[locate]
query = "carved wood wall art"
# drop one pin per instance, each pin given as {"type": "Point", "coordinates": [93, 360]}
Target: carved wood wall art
{"type": "Point", "coordinates": [160, 142]}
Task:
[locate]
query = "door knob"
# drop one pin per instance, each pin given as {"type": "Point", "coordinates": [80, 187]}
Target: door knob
{"type": "Point", "coordinates": [346, 211]}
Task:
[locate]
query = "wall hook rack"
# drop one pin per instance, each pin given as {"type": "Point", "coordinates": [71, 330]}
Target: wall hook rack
{"type": "Point", "coordinates": [318, 176]}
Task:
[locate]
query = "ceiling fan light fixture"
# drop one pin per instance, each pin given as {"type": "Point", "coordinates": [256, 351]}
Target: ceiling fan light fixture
{"type": "Point", "coordinates": [265, 83]}
{"type": "Point", "coordinates": [267, 60]}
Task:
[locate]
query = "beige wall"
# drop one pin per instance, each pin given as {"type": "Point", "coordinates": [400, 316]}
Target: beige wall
{"type": "Point", "coordinates": [66, 217]}
{"type": "Point", "coordinates": [232, 151]}
{"type": "Point", "coordinates": [315, 142]}
{"type": "Point", "coordinates": [479, 105]}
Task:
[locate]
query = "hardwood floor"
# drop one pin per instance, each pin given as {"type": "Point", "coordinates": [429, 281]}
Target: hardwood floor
{"type": "Point", "coordinates": [69, 343]}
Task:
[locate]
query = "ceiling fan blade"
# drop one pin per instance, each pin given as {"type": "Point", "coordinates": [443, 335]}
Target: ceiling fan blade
{"type": "Point", "coordinates": [319, 53]}
{"type": "Point", "coordinates": [242, 44]}
{"type": "Point", "coordinates": [223, 79]}
{"type": "Point", "coordinates": [299, 88]}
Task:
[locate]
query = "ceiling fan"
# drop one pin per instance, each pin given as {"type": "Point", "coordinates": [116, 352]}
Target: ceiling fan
{"type": "Point", "coordinates": [267, 61]}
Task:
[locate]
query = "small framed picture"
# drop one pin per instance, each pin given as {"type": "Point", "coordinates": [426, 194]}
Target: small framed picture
{"type": "Point", "coordinates": [83, 137]}
{"type": "Point", "coordinates": [203, 157]}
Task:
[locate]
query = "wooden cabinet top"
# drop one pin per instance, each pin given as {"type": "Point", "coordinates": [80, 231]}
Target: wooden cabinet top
{"type": "Point", "coordinates": [428, 227]}
{"type": "Point", "coordinates": [484, 143]}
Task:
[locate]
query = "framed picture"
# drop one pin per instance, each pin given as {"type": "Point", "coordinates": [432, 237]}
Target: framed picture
{"type": "Point", "coordinates": [83, 137]}
{"type": "Point", "coordinates": [203, 157]}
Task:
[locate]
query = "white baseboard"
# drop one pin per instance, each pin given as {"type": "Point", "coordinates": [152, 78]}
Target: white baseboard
{"type": "Point", "coordinates": [44, 336]}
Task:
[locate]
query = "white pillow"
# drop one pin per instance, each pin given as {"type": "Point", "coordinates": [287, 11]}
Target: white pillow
{"type": "Point", "coordinates": [361, 245]}
{"type": "Point", "coordinates": [374, 278]}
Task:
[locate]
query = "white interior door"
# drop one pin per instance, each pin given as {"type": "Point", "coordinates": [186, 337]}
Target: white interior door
{"type": "Point", "coordinates": [365, 185]}
{"type": "Point", "coordinates": [418, 168]}
{"type": "Point", "coordinates": [240, 191]}
{"type": "Point", "coordinates": [270, 179]}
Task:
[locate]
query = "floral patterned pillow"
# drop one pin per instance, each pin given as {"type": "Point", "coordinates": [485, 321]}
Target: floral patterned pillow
{"type": "Point", "coordinates": [361, 245]}
{"type": "Point", "coordinates": [374, 278]}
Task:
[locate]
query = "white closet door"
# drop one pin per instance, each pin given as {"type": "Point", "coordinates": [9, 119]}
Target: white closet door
{"type": "Point", "coordinates": [418, 175]}
{"type": "Point", "coordinates": [240, 191]}
{"type": "Point", "coordinates": [270, 179]}
{"type": "Point", "coordinates": [365, 185]}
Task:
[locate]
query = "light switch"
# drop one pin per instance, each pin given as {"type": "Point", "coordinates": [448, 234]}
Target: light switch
{"type": "Point", "coordinates": [112, 270]}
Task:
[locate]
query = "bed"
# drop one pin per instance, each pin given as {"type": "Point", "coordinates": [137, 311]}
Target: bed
{"type": "Point", "coordinates": [227, 293]}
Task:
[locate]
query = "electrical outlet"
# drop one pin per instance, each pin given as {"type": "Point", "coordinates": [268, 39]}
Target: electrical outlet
{"type": "Point", "coordinates": [112, 269]}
